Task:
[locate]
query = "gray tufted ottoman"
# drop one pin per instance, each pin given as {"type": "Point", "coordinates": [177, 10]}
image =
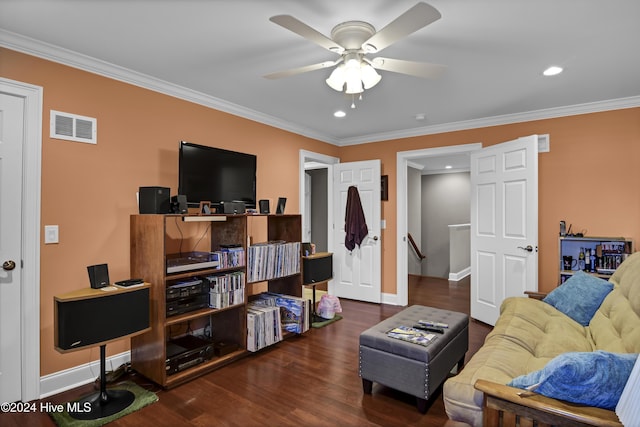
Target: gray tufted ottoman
{"type": "Point", "coordinates": [409, 367]}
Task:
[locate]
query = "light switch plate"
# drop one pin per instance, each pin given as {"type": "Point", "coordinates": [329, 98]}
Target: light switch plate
{"type": "Point", "coordinates": [51, 234]}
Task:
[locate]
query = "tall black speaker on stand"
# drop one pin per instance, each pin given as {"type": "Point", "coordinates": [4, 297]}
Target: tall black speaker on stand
{"type": "Point", "coordinates": [90, 317]}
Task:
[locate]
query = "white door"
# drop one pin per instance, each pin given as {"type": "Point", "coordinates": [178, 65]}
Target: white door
{"type": "Point", "coordinates": [357, 272]}
{"type": "Point", "coordinates": [11, 136]}
{"type": "Point", "coordinates": [504, 225]}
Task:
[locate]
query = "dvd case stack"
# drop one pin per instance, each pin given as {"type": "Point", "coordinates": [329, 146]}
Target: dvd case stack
{"type": "Point", "coordinates": [271, 260]}
{"type": "Point", "coordinates": [226, 290]}
{"type": "Point", "coordinates": [294, 311]}
{"type": "Point", "coordinates": [231, 256]}
{"type": "Point", "coordinates": [263, 326]}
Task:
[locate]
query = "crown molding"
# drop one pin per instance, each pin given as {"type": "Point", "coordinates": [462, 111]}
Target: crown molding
{"type": "Point", "coordinates": [70, 58]}
{"type": "Point", "coordinates": [77, 60]}
{"type": "Point", "coordinates": [548, 113]}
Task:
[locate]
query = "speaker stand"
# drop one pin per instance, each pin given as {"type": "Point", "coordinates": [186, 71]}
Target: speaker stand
{"type": "Point", "coordinates": [105, 402]}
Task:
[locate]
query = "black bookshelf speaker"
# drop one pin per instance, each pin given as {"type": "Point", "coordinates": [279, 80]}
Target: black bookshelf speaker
{"type": "Point", "coordinates": [179, 204]}
{"type": "Point", "coordinates": [98, 276]}
{"type": "Point", "coordinates": [154, 200]}
{"type": "Point", "coordinates": [97, 319]}
{"type": "Point", "coordinates": [264, 206]}
{"type": "Point", "coordinates": [233, 207]}
{"type": "Point", "coordinates": [317, 268]}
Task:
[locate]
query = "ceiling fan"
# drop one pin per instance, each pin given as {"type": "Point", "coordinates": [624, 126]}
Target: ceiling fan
{"type": "Point", "coordinates": [353, 40]}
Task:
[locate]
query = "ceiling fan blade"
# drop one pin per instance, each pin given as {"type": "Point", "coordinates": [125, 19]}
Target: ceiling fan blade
{"type": "Point", "coordinates": [302, 29]}
{"type": "Point", "coordinates": [300, 70]}
{"type": "Point", "coordinates": [419, 16]}
{"type": "Point", "coordinates": [418, 69]}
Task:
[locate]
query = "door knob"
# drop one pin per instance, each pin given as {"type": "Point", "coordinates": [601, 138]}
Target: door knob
{"type": "Point", "coordinates": [375, 237]}
{"type": "Point", "coordinates": [8, 265]}
{"type": "Point", "coordinates": [529, 248]}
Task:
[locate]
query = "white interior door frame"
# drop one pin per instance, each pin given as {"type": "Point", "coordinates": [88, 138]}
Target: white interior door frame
{"type": "Point", "coordinates": [32, 171]}
{"type": "Point", "coordinates": [403, 158]}
{"type": "Point", "coordinates": [316, 159]}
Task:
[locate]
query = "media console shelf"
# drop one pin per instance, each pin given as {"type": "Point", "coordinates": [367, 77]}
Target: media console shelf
{"type": "Point", "coordinates": [188, 337]}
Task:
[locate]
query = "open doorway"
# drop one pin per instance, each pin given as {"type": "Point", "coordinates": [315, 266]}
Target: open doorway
{"type": "Point", "coordinates": [407, 164]}
{"type": "Point", "coordinates": [445, 217]}
{"type": "Point", "coordinates": [316, 201]}
{"type": "Point", "coordinates": [316, 223]}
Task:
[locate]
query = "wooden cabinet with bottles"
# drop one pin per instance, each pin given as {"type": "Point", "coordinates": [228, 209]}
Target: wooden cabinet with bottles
{"type": "Point", "coordinates": [599, 256]}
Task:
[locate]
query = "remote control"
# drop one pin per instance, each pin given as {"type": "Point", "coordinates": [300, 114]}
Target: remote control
{"type": "Point", "coordinates": [433, 324]}
{"type": "Point", "coordinates": [429, 328]}
{"type": "Point", "coordinates": [130, 282]}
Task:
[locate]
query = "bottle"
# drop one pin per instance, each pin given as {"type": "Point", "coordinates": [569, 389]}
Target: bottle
{"type": "Point", "coordinates": [581, 259]}
{"type": "Point", "coordinates": [587, 260]}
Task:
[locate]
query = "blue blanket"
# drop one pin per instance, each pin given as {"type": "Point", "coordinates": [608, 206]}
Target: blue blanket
{"type": "Point", "coordinates": [594, 378]}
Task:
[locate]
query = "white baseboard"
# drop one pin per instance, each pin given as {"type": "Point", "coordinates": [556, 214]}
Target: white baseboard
{"type": "Point", "coordinates": [454, 277]}
{"type": "Point", "coordinates": [391, 299]}
{"type": "Point", "coordinates": [79, 375]}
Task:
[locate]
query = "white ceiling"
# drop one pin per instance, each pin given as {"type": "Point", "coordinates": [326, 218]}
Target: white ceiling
{"type": "Point", "coordinates": [215, 52]}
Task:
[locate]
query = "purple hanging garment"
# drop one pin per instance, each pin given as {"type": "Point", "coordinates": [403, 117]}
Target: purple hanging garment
{"type": "Point", "coordinates": [355, 226]}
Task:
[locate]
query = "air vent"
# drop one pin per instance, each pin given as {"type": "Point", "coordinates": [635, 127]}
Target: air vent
{"type": "Point", "coordinates": [72, 127]}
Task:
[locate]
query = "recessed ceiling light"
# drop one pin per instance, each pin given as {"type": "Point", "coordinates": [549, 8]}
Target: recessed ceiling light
{"type": "Point", "coordinates": [420, 116]}
{"type": "Point", "coordinates": [552, 71]}
{"type": "Point", "coordinates": [339, 113]}
{"type": "Point", "coordinates": [448, 167]}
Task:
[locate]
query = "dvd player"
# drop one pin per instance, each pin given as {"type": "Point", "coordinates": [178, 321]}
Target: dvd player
{"type": "Point", "coordinates": [184, 305]}
{"type": "Point", "coordinates": [186, 288]}
{"type": "Point", "coordinates": [187, 351]}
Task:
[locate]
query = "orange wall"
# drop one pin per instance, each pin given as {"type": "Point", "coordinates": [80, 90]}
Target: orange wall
{"type": "Point", "coordinates": [588, 179]}
{"type": "Point", "coordinates": [89, 190]}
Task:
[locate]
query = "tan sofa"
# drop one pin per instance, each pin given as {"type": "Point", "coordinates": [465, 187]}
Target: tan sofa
{"type": "Point", "coordinates": [529, 333]}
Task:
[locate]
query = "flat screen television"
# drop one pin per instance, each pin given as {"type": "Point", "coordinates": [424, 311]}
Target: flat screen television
{"type": "Point", "coordinates": [216, 175]}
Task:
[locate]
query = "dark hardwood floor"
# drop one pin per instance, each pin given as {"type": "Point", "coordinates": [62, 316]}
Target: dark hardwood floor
{"type": "Point", "coordinates": [309, 380]}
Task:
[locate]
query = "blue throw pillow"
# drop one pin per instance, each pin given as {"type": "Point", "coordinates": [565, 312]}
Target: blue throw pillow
{"type": "Point", "coordinates": [594, 378]}
{"type": "Point", "coordinates": [580, 296]}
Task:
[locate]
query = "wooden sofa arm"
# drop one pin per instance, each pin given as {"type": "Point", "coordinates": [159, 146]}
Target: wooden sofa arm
{"type": "Point", "coordinates": [508, 406]}
{"type": "Point", "coordinates": [535, 295]}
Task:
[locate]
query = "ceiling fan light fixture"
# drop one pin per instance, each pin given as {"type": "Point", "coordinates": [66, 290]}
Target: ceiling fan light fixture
{"type": "Point", "coordinates": [352, 40]}
{"type": "Point", "coordinates": [353, 77]}
{"type": "Point", "coordinates": [354, 86]}
{"type": "Point", "coordinates": [352, 60]}
{"type": "Point", "coordinates": [337, 78]}
{"type": "Point", "coordinates": [369, 75]}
